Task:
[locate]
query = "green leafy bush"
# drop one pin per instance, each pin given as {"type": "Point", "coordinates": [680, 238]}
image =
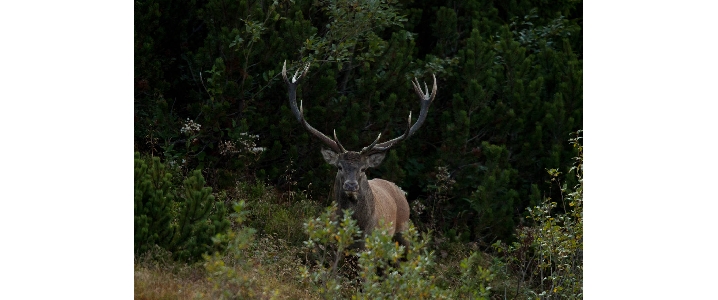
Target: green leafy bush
{"type": "Point", "coordinates": [229, 273]}
{"type": "Point", "coordinates": [179, 219]}
{"type": "Point", "coordinates": [272, 214]}
{"type": "Point", "coordinates": [548, 256]}
{"type": "Point", "coordinates": [329, 242]}
{"type": "Point", "coordinates": [254, 265]}
{"type": "Point", "coordinates": [475, 280]}
{"type": "Point", "coordinates": [385, 269]}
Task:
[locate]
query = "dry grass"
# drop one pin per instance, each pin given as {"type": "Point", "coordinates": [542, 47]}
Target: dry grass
{"type": "Point", "coordinates": [275, 267]}
{"type": "Point", "coordinates": [161, 282]}
{"type": "Point", "coordinates": [272, 267]}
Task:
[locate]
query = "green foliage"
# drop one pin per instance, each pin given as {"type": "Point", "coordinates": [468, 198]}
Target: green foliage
{"type": "Point", "coordinates": [552, 33]}
{"type": "Point", "coordinates": [181, 220]}
{"type": "Point", "coordinates": [225, 272]}
{"type": "Point", "coordinates": [208, 96]}
{"type": "Point", "coordinates": [253, 265]}
{"type": "Point", "coordinates": [493, 202]}
{"type": "Point", "coordinates": [385, 269]}
{"type": "Point", "coordinates": [199, 218]}
{"type": "Point", "coordinates": [271, 214]}
{"type": "Point", "coordinates": [329, 241]}
{"type": "Point", "coordinates": [153, 199]}
{"type": "Point", "coordinates": [351, 32]}
{"type": "Point", "coordinates": [435, 204]}
{"type": "Point", "coordinates": [549, 255]}
{"type": "Point", "coordinates": [475, 279]}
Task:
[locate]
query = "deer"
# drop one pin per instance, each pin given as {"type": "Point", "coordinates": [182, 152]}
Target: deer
{"type": "Point", "coordinates": [375, 202]}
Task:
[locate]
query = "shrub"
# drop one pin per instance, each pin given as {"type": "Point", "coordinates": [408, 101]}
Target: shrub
{"type": "Point", "coordinates": [199, 218]}
{"type": "Point", "coordinates": [329, 242]}
{"type": "Point", "coordinates": [223, 270]}
{"type": "Point", "coordinates": [549, 255]}
{"type": "Point", "coordinates": [474, 279]}
{"type": "Point", "coordinates": [181, 220]}
{"type": "Point", "coordinates": [153, 199]}
{"type": "Point", "coordinates": [270, 214]}
{"type": "Point", "coordinates": [385, 269]}
{"type": "Point", "coordinates": [386, 274]}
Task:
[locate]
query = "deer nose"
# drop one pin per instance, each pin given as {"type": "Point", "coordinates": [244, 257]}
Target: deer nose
{"type": "Point", "coordinates": [351, 186]}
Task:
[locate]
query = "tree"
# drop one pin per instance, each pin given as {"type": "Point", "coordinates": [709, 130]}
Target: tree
{"type": "Point", "coordinates": [510, 92]}
{"type": "Point", "coordinates": [181, 221]}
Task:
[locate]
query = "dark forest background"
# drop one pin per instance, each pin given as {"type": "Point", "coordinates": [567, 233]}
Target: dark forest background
{"type": "Point", "coordinates": [209, 96]}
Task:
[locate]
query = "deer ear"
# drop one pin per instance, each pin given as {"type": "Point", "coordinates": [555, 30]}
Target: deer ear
{"type": "Point", "coordinates": [330, 156]}
{"type": "Point", "coordinates": [375, 159]}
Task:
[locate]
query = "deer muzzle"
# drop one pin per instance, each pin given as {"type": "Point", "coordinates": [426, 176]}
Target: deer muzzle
{"type": "Point", "coordinates": [351, 186]}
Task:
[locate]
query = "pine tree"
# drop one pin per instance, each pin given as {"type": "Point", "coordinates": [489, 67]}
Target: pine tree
{"type": "Point", "coordinates": [199, 219]}
{"type": "Point", "coordinates": [153, 200]}
{"type": "Point", "coordinates": [180, 222]}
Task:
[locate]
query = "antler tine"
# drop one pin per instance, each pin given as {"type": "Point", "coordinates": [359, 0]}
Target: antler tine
{"type": "Point", "coordinates": [369, 148]}
{"type": "Point", "coordinates": [408, 123]}
{"type": "Point", "coordinates": [433, 89]}
{"type": "Point", "coordinates": [306, 68]}
{"type": "Point", "coordinates": [426, 99]}
{"type": "Point", "coordinates": [284, 71]}
{"type": "Point", "coordinates": [338, 143]}
{"type": "Point", "coordinates": [297, 75]}
{"type": "Point", "coordinates": [299, 111]}
{"type": "Point", "coordinates": [388, 144]}
{"type": "Point", "coordinates": [424, 93]}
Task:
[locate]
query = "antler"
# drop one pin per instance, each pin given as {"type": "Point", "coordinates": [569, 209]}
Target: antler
{"type": "Point", "coordinates": [299, 112]}
{"type": "Point", "coordinates": [425, 98]}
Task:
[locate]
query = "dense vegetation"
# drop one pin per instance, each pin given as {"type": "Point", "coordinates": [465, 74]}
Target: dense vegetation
{"type": "Point", "coordinates": [209, 97]}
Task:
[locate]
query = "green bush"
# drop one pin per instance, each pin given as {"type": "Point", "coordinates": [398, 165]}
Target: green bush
{"type": "Point", "coordinates": [179, 219]}
{"type": "Point", "coordinates": [271, 214]}
{"type": "Point", "coordinates": [475, 280]}
{"type": "Point", "coordinates": [229, 273]}
{"type": "Point", "coordinates": [199, 219]}
{"type": "Point", "coordinates": [547, 257]}
{"type": "Point", "coordinates": [254, 265]}
{"type": "Point", "coordinates": [385, 269]}
{"type": "Point", "coordinates": [154, 196]}
{"type": "Point", "coordinates": [329, 242]}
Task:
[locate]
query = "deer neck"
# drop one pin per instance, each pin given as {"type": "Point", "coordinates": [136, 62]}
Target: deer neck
{"type": "Point", "coordinates": [363, 205]}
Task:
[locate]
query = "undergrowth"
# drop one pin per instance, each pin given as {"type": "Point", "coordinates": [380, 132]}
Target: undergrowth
{"type": "Point", "coordinates": [292, 248]}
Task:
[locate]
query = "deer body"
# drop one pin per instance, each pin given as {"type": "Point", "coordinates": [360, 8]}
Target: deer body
{"type": "Point", "coordinates": [390, 206]}
{"type": "Point", "coordinates": [375, 202]}
{"type": "Point", "coordinates": [381, 202]}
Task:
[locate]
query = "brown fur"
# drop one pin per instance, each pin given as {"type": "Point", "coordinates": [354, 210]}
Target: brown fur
{"type": "Point", "coordinates": [375, 202]}
{"type": "Point", "coordinates": [390, 205]}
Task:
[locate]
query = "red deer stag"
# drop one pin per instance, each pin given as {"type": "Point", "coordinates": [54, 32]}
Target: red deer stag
{"type": "Point", "coordinates": [373, 201]}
